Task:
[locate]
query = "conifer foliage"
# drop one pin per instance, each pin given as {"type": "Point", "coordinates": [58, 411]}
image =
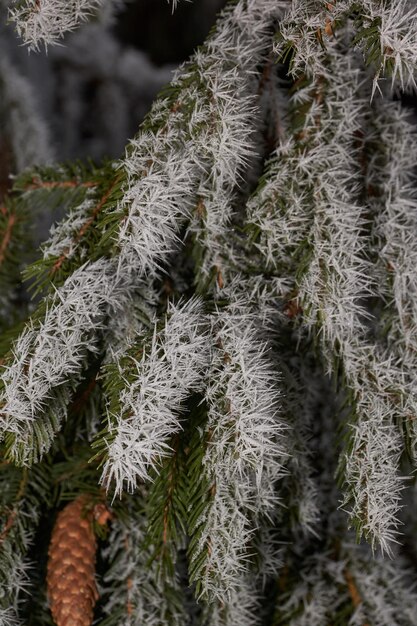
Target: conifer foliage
{"type": "Point", "coordinates": [208, 409]}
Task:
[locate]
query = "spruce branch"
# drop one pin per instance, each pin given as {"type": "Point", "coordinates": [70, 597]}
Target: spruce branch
{"type": "Point", "coordinates": [47, 360]}
{"type": "Point", "coordinates": [334, 278]}
{"type": "Point", "coordinates": [201, 121]}
{"type": "Point", "coordinates": [332, 292]}
{"type": "Point", "coordinates": [390, 178]}
{"type": "Point", "coordinates": [149, 227]}
{"type": "Point", "coordinates": [7, 230]}
{"type": "Point", "coordinates": [22, 496]}
{"type": "Point", "coordinates": [387, 38]}
{"type": "Point", "coordinates": [316, 272]}
{"type": "Point", "coordinates": [346, 586]}
{"type": "Point", "coordinates": [166, 532]}
{"type": "Point", "coordinates": [141, 231]}
{"type": "Point", "coordinates": [242, 607]}
{"type": "Point", "coordinates": [81, 192]}
{"type": "Point", "coordinates": [46, 21]}
{"type": "Point", "coordinates": [135, 593]}
{"type": "Point", "coordinates": [80, 222]}
{"type": "Point", "coordinates": [304, 387]}
{"type": "Point", "coordinates": [380, 604]}
{"type": "Point", "coordinates": [147, 388]}
{"type": "Point", "coordinates": [244, 458]}
{"type": "Point", "coordinates": [384, 32]}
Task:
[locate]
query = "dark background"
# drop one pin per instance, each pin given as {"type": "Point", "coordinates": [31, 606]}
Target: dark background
{"type": "Point", "coordinates": [92, 92]}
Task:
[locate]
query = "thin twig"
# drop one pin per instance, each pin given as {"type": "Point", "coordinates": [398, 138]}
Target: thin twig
{"type": "Point", "coordinates": [7, 233]}
{"type": "Point", "coordinates": [85, 226]}
{"type": "Point", "coordinates": [59, 184]}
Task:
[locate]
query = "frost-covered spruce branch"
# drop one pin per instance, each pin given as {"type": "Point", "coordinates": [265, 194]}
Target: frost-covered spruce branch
{"type": "Point", "coordinates": [384, 32]}
{"type": "Point", "coordinates": [347, 584]}
{"type": "Point", "coordinates": [244, 458]}
{"type": "Point", "coordinates": [242, 607]}
{"type": "Point", "coordinates": [303, 388]}
{"type": "Point", "coordinates": [305, 30]}
{"type": "Point", "coordinates": [219, 206]}
{"type": "Point", "coordinates": [136, 595]}
{"type": "Point", "coordinates": [84, 193]}
{"type": "Point", "coordinates": [48, 358]}
{"type": "Point", "coordinates": [330, 293]}
{"type": "Point", "coordinates": [20, 501]}
{"type": "Point", "coordinates": [132, 322]}
{"type": "Point", "coordinates": [205, 138]}
{"type": "Point", "coordinates": [163, 172]}
{"type": "Point", "coordinates": [333, 280]}
{"type": "Point", "coordinates": [163, 166]}
{"type": "Point", "coordinates": [147, 388]}
{"type": "Point", "coordinates": [153, 161]}
{"type": "Point", "coordinates": [319, 594]}
{"type": "Point", "coordinates": [57, 188]}
{"type": "Point", "coordinates": [388, 590]}
{"type": "Point", "coordinates": [212, 218]}
{"type": "Point", "coordinates": [72, 242]}
{"type": "Point", "coordinates": [45, 22]}
{"type": "Point", "coordinates": [276, 213]}
{"type": "Point", "coordinates": [65, 237]}
{"type": "Point", "coordinates": [390, 183]}
{"type": "Point", "coordinates": [196, 138]}
{"type": "Point", "coordinates": [388, 35]}
{"type": "Point", "coordinates": [333, 277]}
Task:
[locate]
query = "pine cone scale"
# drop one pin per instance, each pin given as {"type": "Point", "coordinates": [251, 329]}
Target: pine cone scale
{"type": "Point", "coordinates": [71, 583]}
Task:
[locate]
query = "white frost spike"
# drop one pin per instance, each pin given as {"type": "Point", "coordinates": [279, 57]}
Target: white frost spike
{"type": "Point", "coordinates": [49, 354]}
{"type": "Point", "coordinates": [245, 451]}
{"type": "Point", "coordinates": [172, 364]}
{"type": "Point", "coordinates": [8, 617]}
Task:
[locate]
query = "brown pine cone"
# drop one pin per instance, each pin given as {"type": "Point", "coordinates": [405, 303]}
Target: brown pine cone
{"type": "Point", "coordinates": [72, 589]}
